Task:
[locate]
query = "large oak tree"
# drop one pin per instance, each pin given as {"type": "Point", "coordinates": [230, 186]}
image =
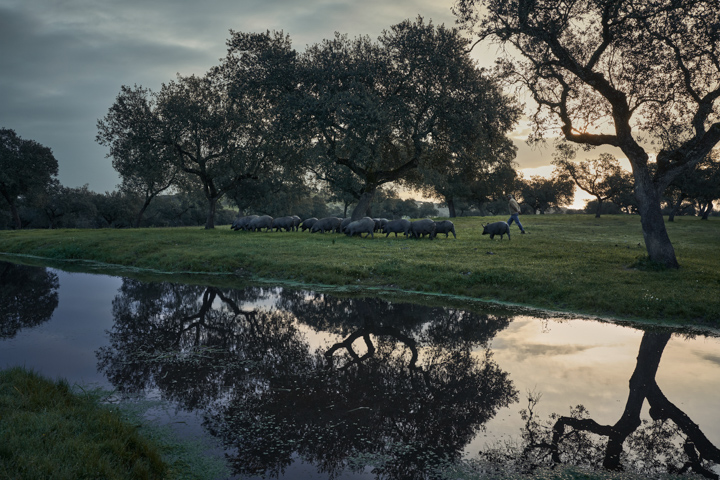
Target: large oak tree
{"type": "Point", "coordinates": [132, 130]}
{"type": "Point", "coordinates": [216, 131]}
{"type": "Point", "coordinates": [617, 72]}
{"type": "Point", "coordinates": [379, 109]}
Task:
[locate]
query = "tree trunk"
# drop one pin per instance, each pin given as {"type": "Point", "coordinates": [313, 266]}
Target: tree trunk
{"type": "Point", "coordinates": [676, 208]}
{"type": "Point", "coordinates": [364, 203]}
{"type": "Point", "coordinates": [451, 206]}
{"type": "Point", "coordinates": [706, 210]}
{"type": "Point", "coordinates": [657, 241]}
{"type": "Point", "coordinates": [15, 216]}
{"type": "Point", "coordinates": [139, 216]}
{"type": "Point", "coordinates": [599, 206]}
{"type": "Point", "coordinates": [210, 220]}
{"type": "Point", "coordinates": [643, 378]}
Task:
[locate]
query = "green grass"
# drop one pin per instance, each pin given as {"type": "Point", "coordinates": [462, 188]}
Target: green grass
{"type": "Point", "coordinates": [573, 263]}
{"type": "Point", "coordinates": [48, 432]}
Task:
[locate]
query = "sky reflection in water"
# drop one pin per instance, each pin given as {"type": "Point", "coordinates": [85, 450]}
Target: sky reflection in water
{"type": "Point", "coordinates": [277, 374]}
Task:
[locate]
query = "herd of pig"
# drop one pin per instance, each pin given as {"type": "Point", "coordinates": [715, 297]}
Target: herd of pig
{"type": "Point", "coordinates": [368, 226]}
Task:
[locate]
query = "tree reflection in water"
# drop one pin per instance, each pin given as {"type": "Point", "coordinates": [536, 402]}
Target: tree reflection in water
{"type": "Point", "coordinates": [28, 297]}
{"type": "Point", "coordinates": [670, 443]}
{"type": "Point", "coordinates": [413, 391]}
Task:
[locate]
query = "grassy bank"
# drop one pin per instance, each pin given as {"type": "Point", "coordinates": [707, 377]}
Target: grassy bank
{"type": "Point", "coordinates": [567, 262]}
{"type": "Point", "coordinates": [51, 430]}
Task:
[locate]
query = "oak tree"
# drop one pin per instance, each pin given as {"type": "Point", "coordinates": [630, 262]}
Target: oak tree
{"type": "Point", "coordinates": [620, 73]}
{"type": "Point", "coordinates": [700, 186]}
{"type": "Point", "coordinates": [379, 109]}
{"type": "Point", "coordinates": [544, 193]}
{"type": "Point", "coordinates": [133, 130]}
{"type": "Point", "coordinates": [208, 133]}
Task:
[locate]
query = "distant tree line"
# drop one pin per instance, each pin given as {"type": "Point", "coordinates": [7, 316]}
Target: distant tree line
{"type": "Point", "coordinates": [34, 198]}
{"type": "Point", "coordinates": [56, 206]}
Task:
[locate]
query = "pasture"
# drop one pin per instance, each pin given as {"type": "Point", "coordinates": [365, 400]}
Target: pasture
{"type": "Point", "coordinates": [567, 263]}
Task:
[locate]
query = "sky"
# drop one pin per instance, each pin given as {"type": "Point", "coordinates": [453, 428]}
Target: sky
{"type": "Point", "coordinates": [64, 61]}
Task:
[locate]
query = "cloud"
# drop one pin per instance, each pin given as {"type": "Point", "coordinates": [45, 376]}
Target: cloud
{"type": "Point", "coordinates": [532, 350]}
{"type": "Point", "coordinates": [63, 63]}
{"type": "Point", "coordinates": [712, 358]}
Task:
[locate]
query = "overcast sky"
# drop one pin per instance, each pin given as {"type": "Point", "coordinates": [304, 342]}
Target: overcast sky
{"type": "Point", "coordinates": [62, 62]}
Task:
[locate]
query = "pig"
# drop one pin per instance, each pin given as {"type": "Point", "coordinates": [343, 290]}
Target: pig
{"type": "Point", "coordinates": [496, 228]}
{"type": "Point", "coordinates": [326, 224]}
{"type": "Point", "coordinates": [246, 225]}
{"type": "Point", "coordinates": [296, 222]}
{"type": "Point", "coordinates": [283, 223]}
{"type": "Point", "coordinates": [397, 226]}
{"type": "Point", "coordinates": [380, 223]}
{"type": "Point", "coordinates": [343, 225]}
{"type": "Point", "coordinates": [446, 226]}
{"type": "Point", "coordinates": [241, 223]}
{"type": "Point", "coordinates": [364, 225]}
{"type": "Point", "coordinates": [420, 228]}
{"type": "Point", "coordinates": [308, 223]}
{"type": "Point", "coordinates": [264, 221]}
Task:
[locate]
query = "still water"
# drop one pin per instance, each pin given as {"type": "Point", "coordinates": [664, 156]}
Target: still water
{"type": "Point", "coordinates": [299, 384]}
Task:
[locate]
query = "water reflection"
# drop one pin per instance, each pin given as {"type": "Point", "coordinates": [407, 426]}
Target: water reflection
{"type": "Point", "coordinates": [670, 442]}
{"type": "Point", "coordinates": [28, 297]}
{"type": "Point", "coordinates": [350, 383]}
{"type": "Point", "coordinates": [410, 389]}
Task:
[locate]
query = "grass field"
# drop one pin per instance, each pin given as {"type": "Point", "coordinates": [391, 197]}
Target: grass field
{"type": "Point", "coordinates": [52, 430]}
{"type": "Point", "coordinates": [571, 263]}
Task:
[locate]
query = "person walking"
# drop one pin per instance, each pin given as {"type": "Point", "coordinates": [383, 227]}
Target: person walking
{"type": "Point", "coordinates": [514, 212]}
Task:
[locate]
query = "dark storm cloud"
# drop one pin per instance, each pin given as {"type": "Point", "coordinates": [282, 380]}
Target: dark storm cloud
{"type": "Point", "coordinates": [63, 62]}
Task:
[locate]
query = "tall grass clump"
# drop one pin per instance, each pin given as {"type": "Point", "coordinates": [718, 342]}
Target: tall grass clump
{"type": "Point", "coordinates": [47, 431]}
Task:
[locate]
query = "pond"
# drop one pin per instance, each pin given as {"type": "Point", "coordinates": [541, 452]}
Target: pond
{"type": "Point", "coordinates": [298, 384]}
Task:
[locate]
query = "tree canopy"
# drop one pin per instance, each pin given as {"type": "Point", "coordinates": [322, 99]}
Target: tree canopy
{"type": "Point", "coordinates": [25, 165]}
{"type": "Point", "coordinates": [620, 73]}
{"type": "Point", "coordinates": [380, 109]}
